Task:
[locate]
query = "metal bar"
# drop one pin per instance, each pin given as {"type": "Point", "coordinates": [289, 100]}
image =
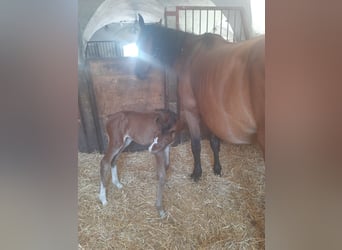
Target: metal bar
{"type": "Point", "coordinates": [165, 16]}
{"type": "Point", "coordinates": [207, 20]}
{"type": "Point", "coordinates": [177, 18]}
{"type": "Point", "coordinates": [87, 51]}
{"type": "Point", "coordinates": [101, 49]}
{"type": "Point", "coordinates": [228, 24]}
{"type": "Point", "coordinates": [200, 22]}
{"type": "Point", "coordinates": [193, 21]}
{"type": "Point", "coordinates": [214, 29]}
{"type": "Point", "coordinates": [185, 20]}
{"type": "Point", "coordinates": [240, 25]}
{"type": "Point", "coordinates": [234, 29]}
{"type": "Point", "coordinates": [221, 24]}
{"type": "Point", "coordinates": [207, 8]}
{"type": "Point", "coordinates": [98, 48]}
{"type": "Point", "coordinates": [110, 49]}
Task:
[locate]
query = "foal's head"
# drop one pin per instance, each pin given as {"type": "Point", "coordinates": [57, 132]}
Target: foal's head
{"type": "Point", "coordinates": [166, 121]}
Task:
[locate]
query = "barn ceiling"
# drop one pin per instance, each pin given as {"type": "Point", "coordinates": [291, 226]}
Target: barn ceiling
{"type": "Point", "coordinates": [117, 16]}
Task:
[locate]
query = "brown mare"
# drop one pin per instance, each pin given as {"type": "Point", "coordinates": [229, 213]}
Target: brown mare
{"type": "Point", "coordinates": [154, 128]}
{"type": "Point", "coordinates": [220, 84]}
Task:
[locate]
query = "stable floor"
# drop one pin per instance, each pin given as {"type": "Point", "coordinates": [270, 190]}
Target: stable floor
{"type": "Point", "coordinates": [224, 212]}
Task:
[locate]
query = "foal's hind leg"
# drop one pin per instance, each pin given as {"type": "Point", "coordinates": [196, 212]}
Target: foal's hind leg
{"type": "Point", "coordinates": [105, 167]}
{"type": "Point", "coordinates": [115, 179]}
{"type": "Point", "coordinates": [110, 157]}
{"type": "Point", "coordinates": [215, 146]}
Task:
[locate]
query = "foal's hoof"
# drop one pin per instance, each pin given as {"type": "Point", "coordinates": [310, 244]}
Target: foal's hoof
{"type": "Point", "coordinates": [119, 185]}
{"type": "Point", "coordinates": [162, 214]}
{"type": "Point", "coordinates": [103, 199]}
{"type": "Point", "coordinates": [104, 202]}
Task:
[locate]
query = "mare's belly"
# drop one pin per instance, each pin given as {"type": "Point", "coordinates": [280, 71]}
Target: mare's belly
{"type": "Point", "coordinates": [229, 119]}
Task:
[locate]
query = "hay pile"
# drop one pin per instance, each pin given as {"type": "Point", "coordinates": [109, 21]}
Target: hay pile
{"type": "Point", "coordinates": [216, 213]}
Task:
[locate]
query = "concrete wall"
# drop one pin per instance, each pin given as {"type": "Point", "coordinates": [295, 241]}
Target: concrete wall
{"type": "Point", "coordinates": [93, 15]}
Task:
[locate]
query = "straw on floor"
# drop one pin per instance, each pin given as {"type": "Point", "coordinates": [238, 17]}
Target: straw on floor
{"type": "Point", "coordinates": [216, 213]}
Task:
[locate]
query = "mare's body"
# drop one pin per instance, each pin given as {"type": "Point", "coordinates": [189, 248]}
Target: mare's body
{"type": "Point", "coordinates": [221, 84]}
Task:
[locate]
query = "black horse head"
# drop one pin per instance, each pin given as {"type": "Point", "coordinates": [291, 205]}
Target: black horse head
{"type": "Point", "coordinates": [158, 47]}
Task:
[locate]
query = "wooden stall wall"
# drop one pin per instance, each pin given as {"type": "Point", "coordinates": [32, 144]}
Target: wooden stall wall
{"type": "Point", "coordinates": [114, 87]}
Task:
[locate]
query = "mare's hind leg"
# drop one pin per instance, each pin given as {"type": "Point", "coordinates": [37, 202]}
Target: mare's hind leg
{"type": "Point", "coordinates": [215, 146]}
{"type": "Point", "coordinates": [161, 161]}
{"type": "Point", "coordinates": [192, 120]}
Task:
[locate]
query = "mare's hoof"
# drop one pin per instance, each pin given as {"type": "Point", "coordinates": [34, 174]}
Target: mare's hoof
{"type": "Point", "coordinates": [196, 176]}
{"type": "Point", "coordinates": [217, 170]}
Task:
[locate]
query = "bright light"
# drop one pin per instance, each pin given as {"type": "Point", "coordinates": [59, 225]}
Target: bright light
{"type": "Point", "coordinates": [258, 16]}
{"type": "Point", "coordinates": [130, 49]}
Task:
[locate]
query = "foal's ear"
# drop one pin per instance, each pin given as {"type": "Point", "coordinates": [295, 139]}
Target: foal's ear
{"type": "Point", "coordinates": [141, 21]}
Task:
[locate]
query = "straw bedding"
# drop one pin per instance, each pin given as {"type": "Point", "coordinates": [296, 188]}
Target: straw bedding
{"type": "Point", "coordinates": [216, 213]}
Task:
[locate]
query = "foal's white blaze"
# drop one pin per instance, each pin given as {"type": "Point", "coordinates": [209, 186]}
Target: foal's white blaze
{"type": "Point", "coordinates": [115, 178]}
{"type": "Point", "coordinates": [102, 195]}
{"type": "Point", "coordinates": [155, 141]}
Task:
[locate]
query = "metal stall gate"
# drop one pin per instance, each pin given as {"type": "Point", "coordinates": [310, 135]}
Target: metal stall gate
{"type": "Point", "coordinates": [228, 22]}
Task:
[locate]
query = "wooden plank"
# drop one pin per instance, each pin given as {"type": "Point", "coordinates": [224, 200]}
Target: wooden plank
{"type": "Point", "coordinates": [116, 88]}
{"type": "Point", "coordinates": [86, 113]}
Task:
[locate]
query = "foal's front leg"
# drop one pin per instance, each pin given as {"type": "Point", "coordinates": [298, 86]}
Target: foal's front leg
{"type": "Point", "coordinates": [161, 172]}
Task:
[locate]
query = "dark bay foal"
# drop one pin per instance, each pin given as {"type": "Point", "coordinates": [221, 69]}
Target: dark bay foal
{"type": "Point", "coordinates": [156, 129]}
